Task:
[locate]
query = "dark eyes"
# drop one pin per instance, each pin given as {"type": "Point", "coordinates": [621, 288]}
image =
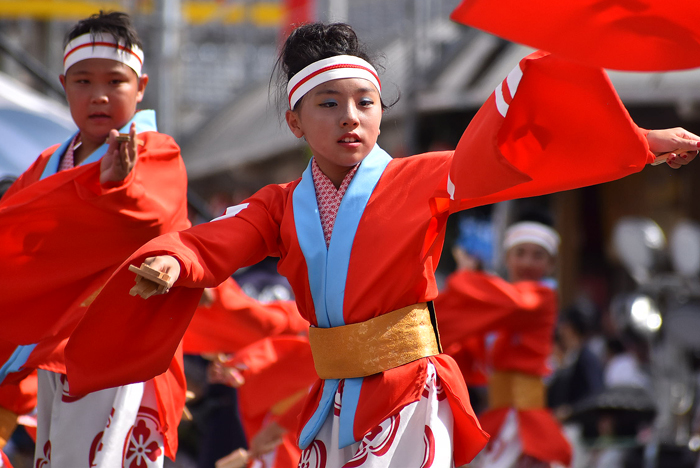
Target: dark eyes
{"type": "Point", "coordinates": [363, 103]}
{"type": "Point", "coordinates": [114, 82]}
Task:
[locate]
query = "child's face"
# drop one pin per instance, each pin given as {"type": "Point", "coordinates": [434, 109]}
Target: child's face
{"type": "Point", "coordinates": [102, 95]}
{"type": "Point", "coordinates": [528, 262]}
{"type": "Point", "coordinates": [340, 120]}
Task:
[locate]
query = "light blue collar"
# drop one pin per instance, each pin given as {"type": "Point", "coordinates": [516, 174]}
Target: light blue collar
{"type": "Point", "coordinates": [328, 271]}
{"type": "Point", "coordinates": [328, 267]}
{"type": "Point", "coordinates": [145, 121]}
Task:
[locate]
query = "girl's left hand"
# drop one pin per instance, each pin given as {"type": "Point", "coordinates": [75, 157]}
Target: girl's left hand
{"type": "Point", "coordinates": [119, 159]}
{"type": "Point", "coordinates": [678, 144]}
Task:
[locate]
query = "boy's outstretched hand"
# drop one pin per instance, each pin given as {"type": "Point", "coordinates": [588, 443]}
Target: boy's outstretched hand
{"type": "Point", "coordinates": [677, 145]}
{"type": "Point", "coordinates": [120, 157]}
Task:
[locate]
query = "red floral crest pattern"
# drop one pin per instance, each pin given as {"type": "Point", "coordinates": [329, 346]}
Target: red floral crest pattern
{"type": "Point", "coordinates": [429, 455]}
{"type": "Point", "coordinates": [144, 442]}
{"type": "Point", "coordinates": [376, 442]}
{"type": "Point", "coordinates": [314, 456]}
{"type": "Point", "coordinates": [434, 381]}
{"type": "Point", "coordinates": [44, 460]}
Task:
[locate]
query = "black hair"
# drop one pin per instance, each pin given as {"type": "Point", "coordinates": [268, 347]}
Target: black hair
{"type": "Point", "coordinates": [310, 43]}
{"type": "Point", "coordinates": [116, 23]}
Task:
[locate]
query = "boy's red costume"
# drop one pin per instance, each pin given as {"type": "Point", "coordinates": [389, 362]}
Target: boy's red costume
{"type": "Point", "coordinates": [62, 236]}
{"type": "Point", "coordinates": [524, 314]}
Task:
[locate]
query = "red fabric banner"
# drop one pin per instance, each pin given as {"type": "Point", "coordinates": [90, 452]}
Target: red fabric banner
{"type": "Point", "coordinates": [634, 35]}
{"type": "Point", "coordinates": [296, 13]}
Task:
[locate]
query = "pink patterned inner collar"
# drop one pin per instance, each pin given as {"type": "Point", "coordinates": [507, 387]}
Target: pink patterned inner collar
{"type": "Point", "coordinates": [328, 197]}
{"type": "Point", "coordinates": [68, 160]}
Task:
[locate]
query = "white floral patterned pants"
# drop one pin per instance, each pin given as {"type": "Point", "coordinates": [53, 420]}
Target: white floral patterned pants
{"type": "Point", "coordinates": [113, 428]}
{"type": "Point", "coordinates": [419, 436]}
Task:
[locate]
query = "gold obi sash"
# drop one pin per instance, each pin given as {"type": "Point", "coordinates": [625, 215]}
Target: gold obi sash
{"type": "Point", "coordinates": [381, 343]}
{"type": "Point", "coordinates": [509, 389]}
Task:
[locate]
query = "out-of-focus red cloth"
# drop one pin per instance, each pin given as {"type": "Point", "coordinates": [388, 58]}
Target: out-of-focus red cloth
{"type": "Point", "coordinates": [634, 35]}
{"type": "Point", "coordinates": [235, 320]}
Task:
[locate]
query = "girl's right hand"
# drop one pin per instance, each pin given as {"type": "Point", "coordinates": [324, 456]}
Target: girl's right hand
{"type": "Point", "coordinates": [166, 264]}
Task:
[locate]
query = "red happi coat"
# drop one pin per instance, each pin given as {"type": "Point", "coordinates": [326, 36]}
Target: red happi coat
{"type": "Point", "coordinates": [397, 242]}
{"type": "Point", "coordinates": [524, 314]}
{"type": "Point", "coordinates": [63, 235]}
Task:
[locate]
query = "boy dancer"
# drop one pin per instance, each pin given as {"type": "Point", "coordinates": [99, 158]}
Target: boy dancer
{"type": "Point", "coordinates": [523, 312]}
{"type": "Point", "coordinates": [68, 221]}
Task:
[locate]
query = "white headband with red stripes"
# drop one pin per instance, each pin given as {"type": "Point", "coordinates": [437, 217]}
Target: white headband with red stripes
{"type": "Point", "coordinates": [530, 232]}
{"type": "Point", "coordinates": [103, 46]}
{"type": "Point", "coordinates": [332, 68]}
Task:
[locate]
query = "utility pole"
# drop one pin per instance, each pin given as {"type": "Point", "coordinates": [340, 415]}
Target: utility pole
{"type": "Point", "coordinates": [338, 11]}
{"type": "Point", "coordinates": [165, 68]}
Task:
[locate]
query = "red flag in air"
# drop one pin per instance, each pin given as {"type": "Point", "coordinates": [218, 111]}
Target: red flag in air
{"type": "Point", "coordinates": [634, 35]}
{"type": "Point", "coordinates": [560, 123]}
{"type": "Point", "coordinates": [296, 13]}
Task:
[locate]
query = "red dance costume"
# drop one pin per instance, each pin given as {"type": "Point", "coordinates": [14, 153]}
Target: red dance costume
{"type": "Point", "coordinates": [390, 230]}
{"type": "Point", "coordinates": [65, 234]}
{"type": "Point", "coordinates": [524, 314]}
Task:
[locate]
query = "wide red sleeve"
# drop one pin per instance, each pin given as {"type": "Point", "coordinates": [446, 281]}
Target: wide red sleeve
{"type": "Point", "coordinates": [235, 320]}
{"type": "Point", "coordinates": [551, 125]}
{"type": "Point", "coordinates": [65, 234]}
{"type": "Point", "coordinates": [208, 253]}
{"type": "Point", "coordinates": [171, 389]}
{"type": "Point", "coordinates": [32, 174]}
{"type": "Point", "coordinates": [475, 302]}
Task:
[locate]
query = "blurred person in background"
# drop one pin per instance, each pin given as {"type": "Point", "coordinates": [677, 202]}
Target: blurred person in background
{"type": "Point", "coordinates": [521, 314]}
{"type": "Point", "coordinates": [579, 373]}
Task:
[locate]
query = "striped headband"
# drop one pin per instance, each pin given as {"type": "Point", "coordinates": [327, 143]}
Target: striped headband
{"type": "Point", "coordinates": [528, 232]}
{"type": "Point", "coordinates": [103, 46]}
{"type": "Point", "coordinates": [332, 68]}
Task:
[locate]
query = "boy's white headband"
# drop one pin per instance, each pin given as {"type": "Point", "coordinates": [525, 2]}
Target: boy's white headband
{"type": "Point", "coordinates": [104, 46]}
{"type": "Point", "coordinates": [333, 68]}
{"type": "Point", "coordinates": [528, 232]}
